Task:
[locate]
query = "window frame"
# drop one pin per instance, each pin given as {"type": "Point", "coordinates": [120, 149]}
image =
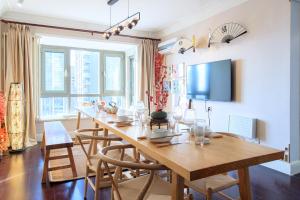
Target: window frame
{"type": "Point", "coordinates": [67, 80]}
{"type": "Point", "coordinates": [118, 54]}
{"type": "Point", "coordinates": [57, 93]}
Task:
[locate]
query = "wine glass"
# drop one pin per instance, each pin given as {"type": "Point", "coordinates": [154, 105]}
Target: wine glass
{"type": "Point", "coordinates": [189, 119]}
{"type": "Point", "coordinates": [177, 114]}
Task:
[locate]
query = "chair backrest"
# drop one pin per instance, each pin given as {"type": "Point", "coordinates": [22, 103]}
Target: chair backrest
{"type": "Point", "coordinates": [87, 153]}
{"type": "Point", "coordinates": [106, 159]}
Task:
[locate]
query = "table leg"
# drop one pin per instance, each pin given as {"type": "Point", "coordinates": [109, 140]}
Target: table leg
{"type": "Point", "coordinates": [244, 184]}
{"type": "Point", "coordinates": [72, 162]}
{"type": "Point", "coordinates": [46, 166]}
{"type": "Point", "coordinates": [43, 143]}
{"type": "Point", "coordinates": [177, 187]}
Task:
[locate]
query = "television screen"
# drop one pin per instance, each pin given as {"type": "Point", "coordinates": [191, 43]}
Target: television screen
{"type": "Point", "coordinates": [209, 81]}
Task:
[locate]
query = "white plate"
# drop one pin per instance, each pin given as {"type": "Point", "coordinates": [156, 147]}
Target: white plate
{"type": "Point", "coordinates": [161, 140]}
{"type": "Point", "coordinates": [161, 136]}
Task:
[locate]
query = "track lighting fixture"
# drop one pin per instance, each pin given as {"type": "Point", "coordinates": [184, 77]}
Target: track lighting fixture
{"type": "Point", "coordinates": [116, 29]}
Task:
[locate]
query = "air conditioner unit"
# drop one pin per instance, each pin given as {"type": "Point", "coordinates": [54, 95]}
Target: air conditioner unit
{"type": "Point", "coordinates": [167, 46]}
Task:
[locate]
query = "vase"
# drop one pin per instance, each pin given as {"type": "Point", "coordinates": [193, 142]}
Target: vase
{"type": "Point", "coordinates": [159, 115]}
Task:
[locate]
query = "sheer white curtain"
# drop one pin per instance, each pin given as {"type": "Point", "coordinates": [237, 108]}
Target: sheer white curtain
{"type": "Point", "coordinates": [20, 63]}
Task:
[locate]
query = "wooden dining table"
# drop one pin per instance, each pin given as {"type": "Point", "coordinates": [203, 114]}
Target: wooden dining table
{"type": "Point", "coordinates": [189, 161]}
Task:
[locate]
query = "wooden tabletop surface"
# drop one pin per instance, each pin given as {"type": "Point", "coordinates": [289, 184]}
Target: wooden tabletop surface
{"type": "Point", "coordinates": [192, 161]}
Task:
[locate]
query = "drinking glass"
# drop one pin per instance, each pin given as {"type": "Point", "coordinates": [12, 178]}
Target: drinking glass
{"type": "Point", "coordinates": [144, 120]}
{"type": "Point", "coordinates": [199, 131]}
{"type": "Point", "coordinates": [189, 120]}
{"type": "Point", "coordinates": [177, 115]}
{"type": "Point", "coordinates": [140, 110]}
{"type": "Point", "coordinates": [172, 123]}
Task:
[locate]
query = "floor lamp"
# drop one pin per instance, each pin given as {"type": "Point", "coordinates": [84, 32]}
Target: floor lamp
{"type": "Point", "coordinates": [16, 116]}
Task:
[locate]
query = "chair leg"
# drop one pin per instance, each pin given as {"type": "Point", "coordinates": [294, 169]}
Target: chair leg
{"type": "Point", "coordinates": [86, 181]}
{"type": "Point", "coordinates": [97, 181]}
{"type": "Point", "coordinates": [43, 143]}
{"type": "Point", "coordinates": [209, 194]}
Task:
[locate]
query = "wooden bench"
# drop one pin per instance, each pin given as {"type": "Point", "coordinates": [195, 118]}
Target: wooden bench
{"type": "Point", "coordinates": [55, 136]}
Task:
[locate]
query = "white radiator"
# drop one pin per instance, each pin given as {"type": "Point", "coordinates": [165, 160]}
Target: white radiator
{"type": "Point", "coordinates": [242, 126]}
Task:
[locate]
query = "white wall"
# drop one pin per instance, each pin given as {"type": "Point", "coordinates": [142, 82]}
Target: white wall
{"type": "Point", "coordinates": [261, 67]}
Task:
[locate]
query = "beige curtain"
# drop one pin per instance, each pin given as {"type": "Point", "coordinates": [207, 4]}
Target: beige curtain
{"type": "Point", "coordinates": [19, 63]}
{"type": "Point", "coordinates": [147, 51]}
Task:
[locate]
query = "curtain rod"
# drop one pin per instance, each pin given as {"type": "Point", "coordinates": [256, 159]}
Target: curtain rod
{"type": "Point", "coordinates": [75, 29]}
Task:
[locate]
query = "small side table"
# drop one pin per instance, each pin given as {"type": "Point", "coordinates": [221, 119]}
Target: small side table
{"type": "Point", "coordinates": [159, 123]}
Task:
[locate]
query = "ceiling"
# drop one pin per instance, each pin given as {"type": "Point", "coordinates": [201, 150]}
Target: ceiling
{"type": "Point", "coordinates": [156, 15]}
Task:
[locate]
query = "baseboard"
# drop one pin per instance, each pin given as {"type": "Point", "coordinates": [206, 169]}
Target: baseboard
{"type": "Point", "coordinates": [280, 166]}
{"type": "Point", "coordinates": [295, 167]}
{"type": "Point", "coordinates": [284, 167]}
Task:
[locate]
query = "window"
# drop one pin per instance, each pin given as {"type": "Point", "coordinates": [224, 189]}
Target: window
{"type": "Point", "coordinates": [71, 76]}
{"type": "Point", "coordinates": [114, 70]}
{"type": "Point", "coordinates": [54, 71]}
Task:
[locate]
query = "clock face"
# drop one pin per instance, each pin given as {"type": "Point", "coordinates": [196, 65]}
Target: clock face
{"type": "Point", "coordinates": [226, 33]}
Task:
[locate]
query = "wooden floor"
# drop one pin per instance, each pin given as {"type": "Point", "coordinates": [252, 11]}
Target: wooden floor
{"type": "Point", "coordinates": [20, 178]}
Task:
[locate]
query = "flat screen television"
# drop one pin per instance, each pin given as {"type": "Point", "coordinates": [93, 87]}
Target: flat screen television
{"type": "Point", "coordinates": [209, 81]}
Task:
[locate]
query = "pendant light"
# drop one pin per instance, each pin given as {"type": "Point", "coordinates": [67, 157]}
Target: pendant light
{"type": "Point", "coordinates": [129, 22]}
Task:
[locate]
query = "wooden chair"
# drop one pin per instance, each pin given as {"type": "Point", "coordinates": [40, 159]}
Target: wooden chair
{"type": "Point", "coordinates": [150, 187]}
{"type": "Point", "coordinates": [93, 161]}
{"type": "Point", "coordinates": [217, 183]}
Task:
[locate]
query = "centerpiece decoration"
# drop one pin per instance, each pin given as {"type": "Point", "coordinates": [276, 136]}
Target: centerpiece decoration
{"type": "Point", "coordinates": [161, 93]}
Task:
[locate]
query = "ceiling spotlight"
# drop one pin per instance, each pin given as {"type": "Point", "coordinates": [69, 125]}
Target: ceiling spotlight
{"type": "Point", "coordinates": [107, 35]}
{"type": "Point", "coordinates": [120, 28]}
{"type": "Point", "coordinates": [20, 3]}
{"type": "Point", "coordinates": [116, 32]}
{"type": "Point", "coordinates": [134, 22]}
{"type": "Point", "coordinates": [129, 25]}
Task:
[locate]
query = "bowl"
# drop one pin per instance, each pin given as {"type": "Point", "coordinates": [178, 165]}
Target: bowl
{"type": "Point", "coordinates": [123, 118]}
